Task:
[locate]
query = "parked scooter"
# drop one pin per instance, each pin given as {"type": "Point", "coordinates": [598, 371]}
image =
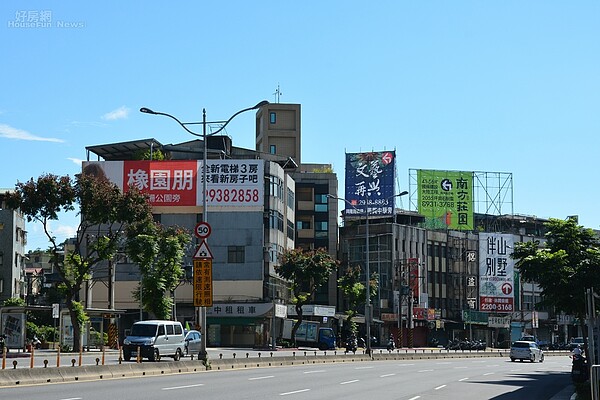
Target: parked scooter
{"type": "Point", "coordinates": [351, 345]}
{"type": "Point", "coordinates": [362, 343]}
{"type": "Point", "coordinates": [390, 344]}
{"type": "Point", "coordinates": [36, 343]}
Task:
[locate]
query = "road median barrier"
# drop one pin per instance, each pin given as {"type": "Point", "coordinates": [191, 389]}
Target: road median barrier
{"type": "Point", "coordinates": [25, 376]}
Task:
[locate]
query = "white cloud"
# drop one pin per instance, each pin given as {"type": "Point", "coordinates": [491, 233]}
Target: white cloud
{"type": "Point", "coordinates": [65, 231]}
{"type": "Point", "coordinates": [85, 123]}
{"type": "Point", "coordinates": [8, 132]}
{"type": "Point", "coordinates": [76, 161]}
{"type": "Point", "coordinates": [120, 113]}
{"type": "Point", "coordinates": [36, 238]}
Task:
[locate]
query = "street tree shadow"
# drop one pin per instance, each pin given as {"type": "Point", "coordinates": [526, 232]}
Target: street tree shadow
{"type": "Point", "coordinates": [531, 385]}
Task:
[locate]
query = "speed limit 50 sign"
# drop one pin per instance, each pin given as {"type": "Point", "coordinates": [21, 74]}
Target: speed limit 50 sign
{"type": "Point", "coordinates": [202, 230]}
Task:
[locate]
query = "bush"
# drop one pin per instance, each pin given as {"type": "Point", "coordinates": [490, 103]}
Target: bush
{"type": "Point", "coordinates": [48, 334]}
{"type": "Point", "coordinates": [65, 348]}
{"type": "Point", "coordinates": [97, 339]}
{"type": "Point", "coordinates": [31, 331]}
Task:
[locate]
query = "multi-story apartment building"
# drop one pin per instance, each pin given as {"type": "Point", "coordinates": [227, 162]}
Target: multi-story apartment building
{"type": "Point", "coordinates": [278, 133]}
{"type": "Point", "coordinates": [397, 251]}
{"type": "Point", "coordinates": [13, 238]}
{"type": "Point", "coordinates": [246, 242]}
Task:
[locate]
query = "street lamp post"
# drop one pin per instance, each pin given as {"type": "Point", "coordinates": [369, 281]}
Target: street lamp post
{"type": "Point", "coordinates": [203, 353]}
{"type": "Point", "coordinates": [368, 311]}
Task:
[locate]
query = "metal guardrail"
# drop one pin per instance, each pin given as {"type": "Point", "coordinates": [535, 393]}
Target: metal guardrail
{"type": "Point", "coordinates": [112, 357]}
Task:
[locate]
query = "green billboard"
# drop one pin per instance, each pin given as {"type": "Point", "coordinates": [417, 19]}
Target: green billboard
{"type": "Point", "coordinates": [446, 198]}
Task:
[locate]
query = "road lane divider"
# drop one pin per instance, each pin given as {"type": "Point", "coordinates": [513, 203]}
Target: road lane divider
{"type": "Point", "coordinates": [44, 375]}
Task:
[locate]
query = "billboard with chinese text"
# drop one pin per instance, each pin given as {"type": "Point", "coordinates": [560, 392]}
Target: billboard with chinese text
{"type": "Point", "coordinates": [238, 183]}
{"type": "Point", "coordinates": [413, 276]}
{"type": "Point", "coordinates": [369, 182]}
{"type": "Point", "coordinates": [446, 198]}
{"type": "Point", "coordinates": [496, 272]}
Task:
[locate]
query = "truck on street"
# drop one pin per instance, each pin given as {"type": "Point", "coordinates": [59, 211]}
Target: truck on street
{"type": "Point", "coordinates": [310, 334]}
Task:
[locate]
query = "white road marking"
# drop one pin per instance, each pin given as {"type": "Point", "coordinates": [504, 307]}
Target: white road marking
{"type": "Point", "coordinates": [364, 368]}
{"type": "Point", "coordinates": [440, 387]}
{"type": "Point", "coordinates": [72, 398]}
{"type": "Point", "coordinates": [183, 387]}
{"type": "Point", "coordinates": [463, 379]}
{"type": "Point", "coordinates": [345, 383]}
{"type": "Point", "coordinates": [426, 370]}
{"type": "Point", "coordinates": [461, 367]}
{"type": "Point", "coordinates": [314, 372]}
{"type": "Point", "coordinates": [443, 363]}
{"type": "Point", "coordinates": [415, 398]}
{"type": "Point", "coordinates": [489, 373]}
{"type": "Point", "coordinates": [386, 375]}
{"type": "Point", "coordinates": [294, 392]}
{"type": "Point", "coordinates": [405, 365]}
{"type": "Point", "coordinates": [261, 377]}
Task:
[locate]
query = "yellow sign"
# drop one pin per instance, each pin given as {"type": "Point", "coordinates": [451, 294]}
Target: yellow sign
{"type": "Point", "coordinates": [203, 291]}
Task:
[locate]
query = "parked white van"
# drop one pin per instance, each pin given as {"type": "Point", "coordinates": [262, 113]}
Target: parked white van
{"type": "Point", "coordinates": [154, 339]}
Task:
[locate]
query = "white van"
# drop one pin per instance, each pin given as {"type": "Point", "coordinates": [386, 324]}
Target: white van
{"type": "Point", "coordinates": [154, 339]}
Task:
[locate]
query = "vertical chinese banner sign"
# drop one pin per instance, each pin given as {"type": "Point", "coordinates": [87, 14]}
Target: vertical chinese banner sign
{"type": "Point", "coordinates": [496, 272]}
{"type": "Point", "coordinates": [370, 179]}
{"type": "Point", "coordinates": [446, 199]}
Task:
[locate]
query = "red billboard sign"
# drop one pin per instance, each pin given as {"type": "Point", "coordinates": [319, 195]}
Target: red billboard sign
{"type": "Point", "coordinates": [170, 183]}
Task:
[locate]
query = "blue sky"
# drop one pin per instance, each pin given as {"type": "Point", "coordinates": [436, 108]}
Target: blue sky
{"type": "Point", "coordinates": [499, 86]}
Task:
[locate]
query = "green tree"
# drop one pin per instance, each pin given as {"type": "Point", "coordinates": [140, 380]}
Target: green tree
{"type": "Point", "coordinates": [105, 213]}
{"type": "Point", "coordinates": [354, 293]}
{"type": "Point", "coordinates": [306, 271]}
{"type": "Point", "coordinates": [14, 302]}
{"type": "Point", "coordinates": [159, 253]}
{"type": "Point", "coordinates": [147, 154]}
{"type": "Point", "coordinates": [565, 266]}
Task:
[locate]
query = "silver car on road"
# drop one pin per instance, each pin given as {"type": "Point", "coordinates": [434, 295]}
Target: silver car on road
{"type": "Point", "coordinates": [524, 350]}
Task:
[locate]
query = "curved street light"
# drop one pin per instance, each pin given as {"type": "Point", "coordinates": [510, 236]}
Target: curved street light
{"type": "Point", "coordinates": [368, 311]}
{"type": "Point", "coordinates": [203, 353]}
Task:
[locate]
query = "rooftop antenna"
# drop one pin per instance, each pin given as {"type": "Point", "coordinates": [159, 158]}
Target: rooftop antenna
{"type": "Point", "coordinates": [277, 94]}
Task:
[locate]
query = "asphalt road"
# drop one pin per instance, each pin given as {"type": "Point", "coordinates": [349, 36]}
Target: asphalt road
{"type": "Point", "coordinates": [465, 379]}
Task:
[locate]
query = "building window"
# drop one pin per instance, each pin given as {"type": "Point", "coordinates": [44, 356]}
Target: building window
{"type": "Point", "coordinates": [275, 252]}
{"type": "Point", "coordinates": [236, 254]}
{"type": "Point", "coordinates": [291, 198]}
{"type": "Point", "coordinates": [273, 149]}
{"type": "Point", "coordinates": [272, 117]}
{"type": "Point", "coordinates": [302, 225]}
{"type": "Point", "coordinates": [290, 229]}
{"type": "Point", "coordinates": [275, 187]}
{"type": "Point", "coordinates": [320, 207]}
{"type": "Point", "coordinates": [321, 203]}
{"type": "Point", "coordinates": [321, 229]}
{"type": "Point", "coordinates": [276, 220]}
